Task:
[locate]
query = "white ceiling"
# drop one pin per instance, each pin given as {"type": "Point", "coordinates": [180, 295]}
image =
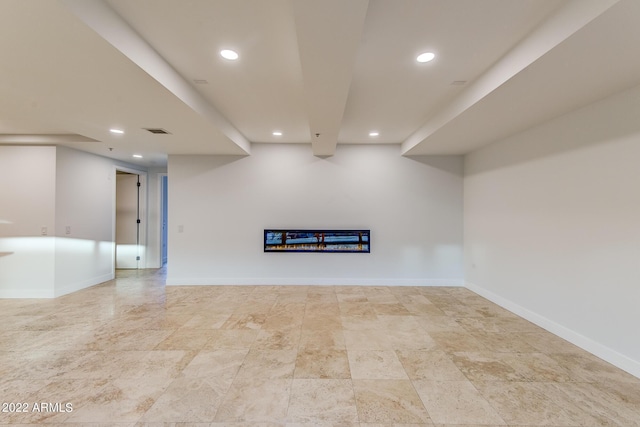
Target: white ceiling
{"type": "Point", "coordinates": [72, 69]}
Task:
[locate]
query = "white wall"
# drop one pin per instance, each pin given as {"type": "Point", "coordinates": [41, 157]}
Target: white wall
{"type": "Point", "coordinates": [71, 194]}
{"type": "Point", "coordinates": [223, 203]}
{"type": "Point", "coordinates": [84, 220]}
{"type": "Point", "coordinates": [552, 226]}
{"type": "Point", "coordinates": [27, 199]}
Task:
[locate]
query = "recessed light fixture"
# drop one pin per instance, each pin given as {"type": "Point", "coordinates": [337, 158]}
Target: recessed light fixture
{"type": "Point", "coordinates": [118, 131]}
{"type": "Point", "coordinates": [231, 55]}
{"type": "Point", "coordinates": [137, 156]}
{"type": "Point", "coordinates": [374, 133]}
{"type": "Point", "coordinates": [426, 57]}
{"type": "Point", "coordinates": [276, 133]}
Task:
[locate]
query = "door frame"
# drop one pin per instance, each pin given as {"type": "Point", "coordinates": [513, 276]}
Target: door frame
{"type": "Point", "coordinates": [164, 215]}
{"type": "Point", "coordinates": [143, 214]}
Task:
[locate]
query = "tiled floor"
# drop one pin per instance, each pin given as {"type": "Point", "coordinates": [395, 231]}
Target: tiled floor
{"type": "Point", "coordinates": [130, 353]}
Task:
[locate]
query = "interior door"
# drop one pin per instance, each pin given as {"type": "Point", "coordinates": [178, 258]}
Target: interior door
{"type": "Point", "coordinates": [127, 221]}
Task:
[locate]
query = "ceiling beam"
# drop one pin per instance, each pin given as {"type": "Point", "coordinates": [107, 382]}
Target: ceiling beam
{"type": "Point", "coordinates": [569, 19]}
{"type": "Point", "coordinates": [44, 139]}
{"type": "Point", "coordinates": [97, 15]}
{"type": "Point", "coordinates": [329, 33]}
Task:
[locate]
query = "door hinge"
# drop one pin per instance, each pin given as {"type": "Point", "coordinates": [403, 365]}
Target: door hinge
{"type": "Point", "coordinates": [138, 258]}
{"type": "Point", "coordinates": [138, 221]}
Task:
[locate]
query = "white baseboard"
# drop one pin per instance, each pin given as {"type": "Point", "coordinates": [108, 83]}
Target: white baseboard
{"type": "Point", "coordinates": [73, 287]}
{"type": "Point", "coordinates": [605, 353]}
{"type": "Point", "coordinates": [51, 293]}
{"type": "Point", "coordinates": [310, 281]}
{"type": "Point", "coordinates": [19, 293]}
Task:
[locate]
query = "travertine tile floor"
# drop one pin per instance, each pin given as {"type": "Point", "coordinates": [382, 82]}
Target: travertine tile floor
{"type": "Point", "coordinates": [132, 353]}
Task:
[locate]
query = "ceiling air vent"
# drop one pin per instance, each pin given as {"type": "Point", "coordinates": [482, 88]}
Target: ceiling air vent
{"type": "Point", "coordinates": [158, 131]}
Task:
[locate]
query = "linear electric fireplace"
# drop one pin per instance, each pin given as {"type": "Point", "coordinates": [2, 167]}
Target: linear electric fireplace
{"type": "Point", "coordinates": [286, 240]}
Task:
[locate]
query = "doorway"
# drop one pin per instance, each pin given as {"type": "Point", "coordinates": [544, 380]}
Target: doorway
{"type": "Point", "coordinates": [129, 228]}
{"type": "Point", "coordinates": [164, 218]}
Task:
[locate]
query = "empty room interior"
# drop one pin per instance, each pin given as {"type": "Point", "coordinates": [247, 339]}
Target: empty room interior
{"type": "Point", "coordinates": [298, 213]}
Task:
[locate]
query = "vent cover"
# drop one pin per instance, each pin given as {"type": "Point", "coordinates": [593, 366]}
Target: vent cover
{"type": "Point", "coordinates": [158, 131]}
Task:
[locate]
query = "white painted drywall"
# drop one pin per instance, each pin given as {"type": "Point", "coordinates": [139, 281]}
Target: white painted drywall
{"type": "Point", "coordinates": [154, 226]}
{"type": "Point", "coordinates": [27, 190]}
{"type": "Point", "coordinates": [552, 226]}
{"type": "Point", "coordinates": [69, 193]}
{"type": "Point", "coordinates": [84, 220]}
{"type": "Point", "coordinates": [27, 199]}
{"type": "Point", "coordinates": [220, 205]}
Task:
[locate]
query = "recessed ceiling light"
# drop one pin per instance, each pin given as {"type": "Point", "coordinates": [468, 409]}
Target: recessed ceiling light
{"type": "Point", "coordinates": [231, 55]}
{"type": "Point", "coordinates": [118, 131]}
{"type": "Point", "coordinates": [137, 156]}
{"type": "Point", "coordinates": [426, 57]}
{"type": "Point", "coordinates": [374, 133]}
{"type": "Point", "coordinates": [277, 133]}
